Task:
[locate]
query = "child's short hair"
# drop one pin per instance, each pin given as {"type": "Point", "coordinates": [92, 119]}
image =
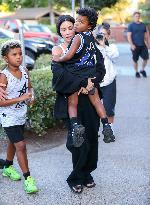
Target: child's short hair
{"type": "Point", "coordinates": [5, 48]}
{"type": "Point", "coordinates": [91, 14]}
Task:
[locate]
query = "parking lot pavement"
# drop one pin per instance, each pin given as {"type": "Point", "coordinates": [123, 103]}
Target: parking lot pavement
{"type": "Point", "coordinates": [124, 63]}
{"type": "Point", "coordinates": [123, 173]}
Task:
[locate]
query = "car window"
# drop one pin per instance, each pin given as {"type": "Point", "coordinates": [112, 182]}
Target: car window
{"type": "Point", "coordinates": [8, 34]}
{"type": "Point", "coordinates": [2, 35]}
{"type": "Point", "coordinates": [36, 29]}
{"type": "Point", "coordinates": [46, 29]}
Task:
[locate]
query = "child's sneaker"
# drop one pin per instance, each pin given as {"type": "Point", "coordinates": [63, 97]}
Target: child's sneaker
{"type": "Point", "coordinates": [108, 133]}
{"type": "Point", "coordinates": [2, 163]}
{"type": "Point", "coordinates": [11, 173]}
{"type": "Point", "coordinates": [77, 134]}
{"type": "Point", "coordinates": [30, 185]}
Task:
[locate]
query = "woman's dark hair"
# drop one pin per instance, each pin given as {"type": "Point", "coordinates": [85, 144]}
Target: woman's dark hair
{"type": "Point", "coordinates": [61, 19]}
{"type": "Point", "coordinates": [10, 44]}
{"type": "Point", "coordinates": [91, 14]}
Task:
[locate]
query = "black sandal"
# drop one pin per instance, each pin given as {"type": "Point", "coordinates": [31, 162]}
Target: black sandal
{"type": "Point", "coordinates": [90, 184]}
{"type": "Point", "coordinates": [77, 189]}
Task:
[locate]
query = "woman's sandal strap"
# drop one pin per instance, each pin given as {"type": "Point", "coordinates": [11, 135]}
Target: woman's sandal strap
{"type": "Point", "coordinates": [77, 189]}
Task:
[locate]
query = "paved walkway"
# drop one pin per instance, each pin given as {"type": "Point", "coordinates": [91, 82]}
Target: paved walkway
{"type": "Point", "coordinates": [123, 173]}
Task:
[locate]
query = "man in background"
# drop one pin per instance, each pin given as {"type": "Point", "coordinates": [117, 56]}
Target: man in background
{"type": "Point", "coordinates": [138, 38]}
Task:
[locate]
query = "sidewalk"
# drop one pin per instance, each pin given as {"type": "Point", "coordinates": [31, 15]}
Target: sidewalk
{"type": "Point", "coordinates": [124, 63]}
{"type": "Point", "coordinates": [123, 172]}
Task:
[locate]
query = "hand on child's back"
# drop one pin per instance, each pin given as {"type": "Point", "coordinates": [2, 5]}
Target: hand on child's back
{"type": "Point", "coordinates": [56, 58]}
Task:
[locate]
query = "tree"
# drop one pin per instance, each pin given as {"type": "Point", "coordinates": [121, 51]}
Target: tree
{"type": "Point", "coordinates": [97, 4]}
{"type": "Point", "coordinates": [119, 12]}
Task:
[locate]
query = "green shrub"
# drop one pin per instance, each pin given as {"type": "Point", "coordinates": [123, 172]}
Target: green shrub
{"type": "Point", "coordinates": [43, 62]}
{"type": "Point", "coordinates": [40, 114]}
{"type": "Point", "coordinates": [53, 28]}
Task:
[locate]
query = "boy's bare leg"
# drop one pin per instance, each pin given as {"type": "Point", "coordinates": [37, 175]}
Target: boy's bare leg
{"type": "Point", "coordinates": [10, 151]}
{"type": "Point", "coordinates": [96, 102]}
{"type": "Point", "coordinates": [107, 131]}
{"type": "Point", "coordinates": [21, 152]}
{"type": "Point", "coordinates": [72, 105]}
{"type": "Point", "coordinates": [111, 120]}
{"type": "Point", "coordinates": [22, 156]}
{"type": "Point", "coordinates": [10, 155]}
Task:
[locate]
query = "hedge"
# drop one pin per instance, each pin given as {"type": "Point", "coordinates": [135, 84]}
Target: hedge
{"type": "Point", "coordinates": [40, 115]}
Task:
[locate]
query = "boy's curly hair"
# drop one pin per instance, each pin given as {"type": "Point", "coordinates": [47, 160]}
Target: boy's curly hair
{"type": "Point", "coordinates": [91, 14]}
{"type": "Point", "coordinates": [62, 19]}
{"type": "Point", "coordinates": [5, 47]}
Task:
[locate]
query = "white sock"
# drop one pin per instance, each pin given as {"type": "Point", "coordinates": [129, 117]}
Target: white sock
{"type": "Point", "coordinates": [112, 127]}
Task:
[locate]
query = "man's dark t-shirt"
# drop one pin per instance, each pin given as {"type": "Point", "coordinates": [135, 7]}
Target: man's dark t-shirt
{"type": "Point", "coordinates": [138, 30]}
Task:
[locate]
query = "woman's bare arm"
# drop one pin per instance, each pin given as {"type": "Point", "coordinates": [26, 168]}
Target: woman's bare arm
{"type": "Point", "coordinates": [71, 52]}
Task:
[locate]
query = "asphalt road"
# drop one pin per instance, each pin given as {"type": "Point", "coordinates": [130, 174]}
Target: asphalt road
{"type": "Point", "coordinates": [123, 173]}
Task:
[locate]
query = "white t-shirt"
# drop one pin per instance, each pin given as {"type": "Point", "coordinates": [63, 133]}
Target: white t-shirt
{"type": "Point", "coordinates": [14, 114]}
{"type": "Point", "coordinates": [110, 53]}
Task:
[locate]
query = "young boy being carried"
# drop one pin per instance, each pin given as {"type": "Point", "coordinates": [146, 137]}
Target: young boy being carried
{"type": "Point", "coordinates": [80, 60]}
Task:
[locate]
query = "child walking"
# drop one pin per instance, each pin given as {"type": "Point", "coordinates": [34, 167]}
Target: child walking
{"type": "Point", "coordinates": [13, 112]}
{"type": "Point", "coordinates": [80, 60]}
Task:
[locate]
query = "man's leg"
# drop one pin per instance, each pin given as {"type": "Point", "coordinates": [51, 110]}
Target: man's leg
{"type": "Point", "coordinates": [135, 65]}
{"type": "Point", "coordinates": [143, 72]}
{"type": "Point", "coordinates": [137, 74]}
{"type": "Point", "coordinates": [135, 58]}
{"type": "Point", "coordinates": [144, 63]}
{"type": "Point", "coordinates": [145, 56]}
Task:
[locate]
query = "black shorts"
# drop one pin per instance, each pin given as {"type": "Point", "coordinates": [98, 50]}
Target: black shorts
{"type": "Point", "coordinates": [109, 98]}
{"type": "Point", "coordinates": [140, 51]}
{"type": "Point", "coordinates": [15, 133]}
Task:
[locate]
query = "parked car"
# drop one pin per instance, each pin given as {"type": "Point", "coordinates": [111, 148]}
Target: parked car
{"type": "Point", "coordinates": [29, 62]}
{"type": "Point", "coordinates": [33, 47]}
{"type": "Point", "coordinates": [15, 24]}
{"type": "Point", "coordinates": [43, 28]}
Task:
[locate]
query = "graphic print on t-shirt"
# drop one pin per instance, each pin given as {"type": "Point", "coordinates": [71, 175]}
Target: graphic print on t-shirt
{"type": "Point", "coordinates": [22, 91]}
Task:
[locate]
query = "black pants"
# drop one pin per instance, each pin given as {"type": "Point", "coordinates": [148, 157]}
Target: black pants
{"type": "Point", "coordinates": [84, 158]}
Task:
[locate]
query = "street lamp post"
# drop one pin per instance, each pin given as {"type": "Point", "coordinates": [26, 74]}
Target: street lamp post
{"type": "Point", "coordinates": [82, 4]}
{"type": "Point", "coordinates": [73, 8]}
